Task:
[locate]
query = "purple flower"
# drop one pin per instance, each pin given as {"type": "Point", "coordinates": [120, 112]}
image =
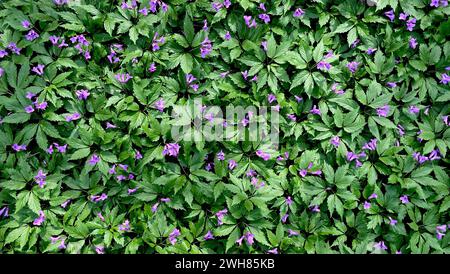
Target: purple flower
{"type": "Point", "coordinates": [264, 45]}
{"type": "Point", "coordinates": [31, 35]}
{"type": "Point", "coordinates": [284, 218]}
{"type": "Point", "coordinates": [82, 94]}
{"type": "Point", "coordinates": [123, 78]}
{"type": "Point", "coordinates": [4, 212]}
{"type": "Point", "coordinates": [97, 198]}
{"type": "Point", "coordinates": [3, 53]}
{"type": "Point", "coordinates": [40, 106]}
{"type": "Point", "coordinates": [40, 178]}
{"type": "Point", "coordinates": [26, 24]}
{"type": "Point", "coordinates": [367, 205]}
{"type": "Point", "coordinates": [205, 47]}
{"type": "Point", "coordinates": [323, 65]}
{"type": "Point", "coordinates": [13, 47]}
{"type": "Point", "coordinates": [370, 51]}
{"type": "Point", "coordinates": [94, 160]}
{"type": "Point", "coordinates": [315, 208]}
{"type": "Point", "coordinates": [64, 205]}
{"type": "Point", "coordinates": [271, 98]}
{"type": "Point", "coordinates": [61, 149]}
{"type": "Point", "coordinates": [373, 196]}
{"type": "Point", "coordinates": [288, 200]}
{"type": "Point", "coordinates": [157, 41]}
{"type": "Point", "coordinates": [414, 110]}
{"type": "Point", "coordinates": [303, 172]}
{"type": "Point", "coordinates": [315, 110]}
{"type": "Point", "coordinates": [383, 111]}
{"type": "Point", "coordinates": [100, 250]}
{"type": "Point", "coordinates": [446, 120]}
{"type": "Point", "coordinates": [205, 25]}
{"type": "Point", "coordinates": [391, 84]}
{"type": "Point", "coordinates": [152, 67]}
{"type": "Point", "coordinates": [292, 233]}
{"type": "Point", "coordinates": [220, 156]}
{"type": "Point", "coordinates": [131, 191]}
{"type": "Point", "coordinates": [298, 12]}
{"type": "Point", "coordinates": [265, 17]}
{"type": "Point", "coordinates": [445, 78]}
{"type": "Point", "coordinates": [355, 43]}
{"type": "Point", "coordinates": [39, 220]}
{"type": "Point", "coordinates": [227, 36]}
{"type": "Point", "coordinates": [100, 216]}
{"type": "Point", "coordinates": [380, 245]}
{"type": "Point", "coordinates": [273, 251]}
{"type": "Point", "coordinates": [249, 22]}
{"type": "Point", "coordinates": [390, 14]}
{"type": "Point", "coordinates": [335, 89]}
{"type": "Point", "coordinates": [403, 16]}
{"type": "Point", "coordinates": [173, 236]}
{"type": "Point", "coordinates": [392, 221]}
{"type": "Point", "coordinates": [159, 105]}
{"type": "Point", "coordinates": [171, 149]}
{"type": "Point", "coordinates": [434, 3]}
{"type": "Point", "coordinates": [410, 24]}
{"type": "Point", "coordinates": [232, 164]}
{"type": "Point", "coordinates": [372, 145]}
{"type": "Point", "coordinates": [404, 199]}
{"type": "Point", "coordinates": [39, 69]}
{"type": "Point", "coordinates": [109, 125]}
{"type": "Point", "coordinates": [125, 226]}
{"type": "Point", "coordinates": [29, 109]}
{"type": "Point", "coordinates": [208, 236]}
{"type": "Point", "coordinates": [18, 148]}
{"type": "Point", "coordinates": [265, 156]}
{"type": "Point", "coordinates": [335, 141]}
{"type": "Point", "coordinates": [353, 66]}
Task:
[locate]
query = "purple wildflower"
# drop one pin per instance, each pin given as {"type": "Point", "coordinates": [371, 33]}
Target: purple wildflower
{"type": "Point", "coordinates": [125, 226]}
{"type": "Point", "coordinates": [383, 111]}
{"type": "Point", "coordinates": [82, 94]}
{"type": "Point", "coordinates": [353, 66]}
{"type": "Point", "coordinates": [206, 47]}
{"type": "Point", "coordinates": [335, 141]}
{"type": "Point", "coordinates": [94, 160]}
{"type": "Point", "coordinates": [39, 69]}
{"type": "Point", "coordinates": [171, 149]}
{"type": "Point", "coordinates": [208, 236]}
{"type": "Point", "coordinates": [31, 35]}
{"type": "Point", "coordinates": [298, 12]}
{"type": "Point", "coordinates": [315, 110]}
{"type": "Point", "coordinates": [380, 245]}
{"type": "Point", "coordinates": [18, 148]}
{"type": "Point", "coordinates": [40, 178]}
{"type": "Point", "coordinates": [404, 199]}
{"type": "Point", "coordinates": [410, 24]}
{"type": "Point", "coordinates": [123, 77]}
{"type": "Point", "coordinates": [39, 220]}
{"type": "Point", "coordinates": [390, 14]}
{"type": "Point", "coordinates": [173, 236]}
{"type": "Point", "coordinates": [232, 164]}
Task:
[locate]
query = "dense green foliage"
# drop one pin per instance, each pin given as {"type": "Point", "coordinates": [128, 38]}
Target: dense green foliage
{"type": "Point", "coordinates": [366, 171]}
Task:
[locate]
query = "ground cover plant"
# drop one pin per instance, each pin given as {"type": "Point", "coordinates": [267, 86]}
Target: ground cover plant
{"type": "Point", "coordinates": [89, 162]}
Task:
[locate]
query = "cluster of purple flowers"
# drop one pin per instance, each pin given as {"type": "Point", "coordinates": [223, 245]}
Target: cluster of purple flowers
{"type": "Point", "coordinates": [249, 21]}
{"type": "Point", "coordinates": [323, 64]}
{"type": "Point", "coordinates": [123, 77]}
{"type": "Point", "coordinates": [61, 149]}
{"type": "Point", "coordinates": [249, 238]}
{"type": "Point", "coordinates": [173, 236]}
{"type": "Point", "coordinates": [98, 198]}
{"type": "Point", "coordinates": [437, 3]}
{"type": "Point", "coordinates": [353, 66]}
{"type": "Point", "coordinates": [434, 155]}
{"type": "Point", "coordinates": [220, 215]}
{"type": "Point", "coordinates": [125, 226]}
{"type": "Point", "coordinates": [17, 147]}
{"type": "Point", "coordinates": [217, 5]}
{"type": "Point", "coordinates": [55, 40]}
{"type": "Point", "coordinates": [12, 47]}
{"type": "Point", "coordinates": [31, 35]}
{"type": "Point", "coordinates": [383, 111]}
{"type": "Point", "coordinates": [308, 170]}
{"type": "Point", "coordinates": [205, 47]}
{"type": "Point", "coordinates": [189, 80]}
{"type": "Point", "coordinates": [157, 41]}
{"type": "Point", "coordinates": [336, 90]}
{"type": "Point", "coordinates": [37, 105]}
{"type": "Point", "coordinates": [62, 241]}
{"type": "Point", "coordinates": [352, 156]}
{"type": "Point", "coordinates": [171, 149]}
{"type": "Point", "coordinates": [40, 178]}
